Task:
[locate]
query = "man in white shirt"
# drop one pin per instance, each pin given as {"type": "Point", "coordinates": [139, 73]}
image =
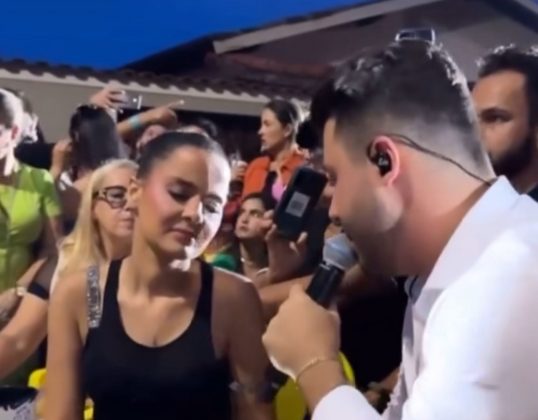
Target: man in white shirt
{"type": "Point", "coordinates": [414, 190]}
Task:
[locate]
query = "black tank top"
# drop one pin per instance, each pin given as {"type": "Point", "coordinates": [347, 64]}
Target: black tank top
{"type": "Point", "coordinates": [180, 380]}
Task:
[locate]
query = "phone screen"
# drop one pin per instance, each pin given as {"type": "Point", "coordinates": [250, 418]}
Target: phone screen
{"type": "Point", "coordinates": [298, 202]}
{"type": "Point", "coordinates": [424, 34]}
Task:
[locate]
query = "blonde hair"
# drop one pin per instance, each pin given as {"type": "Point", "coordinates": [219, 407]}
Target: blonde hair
{"type": "Point", "coordinates": [82, 247]}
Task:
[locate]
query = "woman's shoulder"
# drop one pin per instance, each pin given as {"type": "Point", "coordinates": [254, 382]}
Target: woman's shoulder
{"type": "Point", "coordinates": [36, 174]}
{"type": "Point", "coordinates": [40, 181]}
{"type": "Point", "coordinates": [233, 287]}
{"type": "Point", "coordinates": [69, 292]}
{"type": "Point", "coordinates": [71, 288]}
{"type": "Point", "coordinates": [259, 162]}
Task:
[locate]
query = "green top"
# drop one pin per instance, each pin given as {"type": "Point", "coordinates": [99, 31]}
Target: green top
{"type": "Point", "coordinates": [27, 204]}
{"type": "Point", "coordinates": [226, 261]}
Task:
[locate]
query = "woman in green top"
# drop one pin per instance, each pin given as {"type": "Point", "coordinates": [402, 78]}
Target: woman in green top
{"type": "Point", "coordinates": [29, 212]}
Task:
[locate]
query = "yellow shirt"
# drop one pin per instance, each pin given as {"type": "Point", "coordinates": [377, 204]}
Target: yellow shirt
{"type": "Point", "coordinates": [28, 204]}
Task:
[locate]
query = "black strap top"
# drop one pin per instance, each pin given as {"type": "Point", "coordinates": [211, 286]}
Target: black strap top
{"type": "Point", "coordinates": [180, 380]}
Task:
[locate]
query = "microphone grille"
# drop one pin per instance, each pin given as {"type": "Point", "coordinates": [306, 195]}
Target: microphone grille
{"type": "Point", "coordinates": [339, 252]}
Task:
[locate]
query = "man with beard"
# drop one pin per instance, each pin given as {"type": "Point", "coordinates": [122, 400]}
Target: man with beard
{"type": "Point", "coordinates": [415, 191]}
{"type": "Point", "coordinates": [506, 100]}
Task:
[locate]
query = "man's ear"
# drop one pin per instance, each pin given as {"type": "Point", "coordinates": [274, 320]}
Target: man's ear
{"type": "Point", "coordinates": [384, 154]}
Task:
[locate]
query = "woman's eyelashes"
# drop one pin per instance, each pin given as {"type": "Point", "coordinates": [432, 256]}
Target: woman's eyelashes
{"type": "Point", "coordinates": [182, 196]}
{"type": "Point", "coordinates": [179, 195]}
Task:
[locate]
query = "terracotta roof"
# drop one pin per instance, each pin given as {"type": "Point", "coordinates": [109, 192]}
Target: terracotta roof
{"type": "Point", "coordinates": [202, 81]}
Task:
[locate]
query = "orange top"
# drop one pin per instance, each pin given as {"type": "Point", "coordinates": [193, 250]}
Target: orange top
{"type": "Point", "coordinates": [258, 169]}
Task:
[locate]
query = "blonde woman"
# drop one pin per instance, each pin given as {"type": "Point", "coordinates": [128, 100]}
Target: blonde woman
{"type": "Point", "coordinates": [102, 232]}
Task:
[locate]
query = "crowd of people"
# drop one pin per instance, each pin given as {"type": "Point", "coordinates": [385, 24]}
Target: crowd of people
{"type": "Point", "coordinates": [140, 265]}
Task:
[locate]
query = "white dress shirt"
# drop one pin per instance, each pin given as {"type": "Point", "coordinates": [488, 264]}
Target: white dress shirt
{"type": "Point", "coordinates": [470, 342]}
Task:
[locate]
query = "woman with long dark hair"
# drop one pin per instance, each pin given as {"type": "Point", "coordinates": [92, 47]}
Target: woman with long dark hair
{"type": "Point", "coordinates": [270, 173]}
{"type": "Point", "coordinates": [161, 334]}
{"type": "Point", "coordinates": [93, 141]}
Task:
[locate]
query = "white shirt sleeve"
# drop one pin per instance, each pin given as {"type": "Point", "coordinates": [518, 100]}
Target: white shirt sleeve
{"type": "Point", "coordinates": [480, 346]}
{"type": "Point", "coordinates": [345, 403]}
{"type": "Point", "coordinates": [479, 353]}
{"type": "Point", "coordinates": [397, 399]}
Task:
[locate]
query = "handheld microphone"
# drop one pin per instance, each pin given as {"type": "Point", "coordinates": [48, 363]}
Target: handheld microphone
{"type": "Point", "coordinates": [338, 257]}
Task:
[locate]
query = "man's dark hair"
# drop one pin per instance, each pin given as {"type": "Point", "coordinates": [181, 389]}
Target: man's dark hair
{"type": "Point", "coordinates": [411, 88]}
{"type": "Point", "coordinates": [511, 58]}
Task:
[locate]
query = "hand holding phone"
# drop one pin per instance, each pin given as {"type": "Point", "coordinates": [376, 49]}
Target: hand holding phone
{"type": "Point", "coordinates": [131, 101]}
{"type": "Point", "coordinates": [424, 34]}
{"type": "Point", "coordinates": [285, 256]}
{"type": "Point", "coordinates": [301, 196]}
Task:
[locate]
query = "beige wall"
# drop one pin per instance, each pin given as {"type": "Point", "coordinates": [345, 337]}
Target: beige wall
{"type": "Point", "coordinates": [55, 99]}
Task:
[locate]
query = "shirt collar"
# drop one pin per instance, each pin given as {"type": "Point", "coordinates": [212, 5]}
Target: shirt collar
{"type": "Point", "coordinates": [479, 226]}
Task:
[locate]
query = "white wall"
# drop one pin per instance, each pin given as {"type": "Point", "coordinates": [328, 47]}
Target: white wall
{"type": "Point", "coordinates": [55, 99]}
{"type": "Point", "coordinates": [467, 28]}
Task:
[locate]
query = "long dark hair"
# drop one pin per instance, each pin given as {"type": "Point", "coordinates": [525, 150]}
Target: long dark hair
{"type": "Point", "coordinates": [95, 138]}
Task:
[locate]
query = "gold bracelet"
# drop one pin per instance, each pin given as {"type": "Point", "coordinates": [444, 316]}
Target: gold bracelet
{"type": "Point", "coordinates": [314, 362]}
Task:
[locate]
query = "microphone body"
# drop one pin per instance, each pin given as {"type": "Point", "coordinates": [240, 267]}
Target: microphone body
{"type": "Point", "coordinates": [325, 283]}
{"type": "Point", "coordinates": [338, 256]}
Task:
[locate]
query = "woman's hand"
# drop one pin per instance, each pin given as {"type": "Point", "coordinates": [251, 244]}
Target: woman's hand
{"type": "Point", "coordinates": [239, 169]}
{"type": "Point", "coordinates": [164, 114]}
{"type": "Point", "coordinates": [61, 157]}
{"type": "Point", "coordinates": [108, 98]}
{"type": "Point", "coordinates": [285, 257]}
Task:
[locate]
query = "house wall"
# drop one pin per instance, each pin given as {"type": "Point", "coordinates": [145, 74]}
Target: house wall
{"type": "Point", "coordinates": [55, 98]}
{"type": "Point", "coordinates": [467, 28]}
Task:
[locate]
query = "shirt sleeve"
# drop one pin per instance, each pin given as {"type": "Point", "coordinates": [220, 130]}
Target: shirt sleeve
{"type": "Point", "coordinates": [345, 403]}
{"type": "Point", "coordinates": [479, 351]}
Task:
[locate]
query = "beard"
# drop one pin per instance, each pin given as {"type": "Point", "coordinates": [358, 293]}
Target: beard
{"type": "Point", "coordinates": [516, 160]}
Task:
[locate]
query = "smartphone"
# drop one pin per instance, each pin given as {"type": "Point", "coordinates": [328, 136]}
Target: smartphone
{"type": "Point", "coordinates": [131, 101]}
{"type": "Point", "coordinates": [424, 34]}
{"type": "Point", "coordinates": [301, 196]}
{"type": "Point", "coordinates": [235, 159]}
